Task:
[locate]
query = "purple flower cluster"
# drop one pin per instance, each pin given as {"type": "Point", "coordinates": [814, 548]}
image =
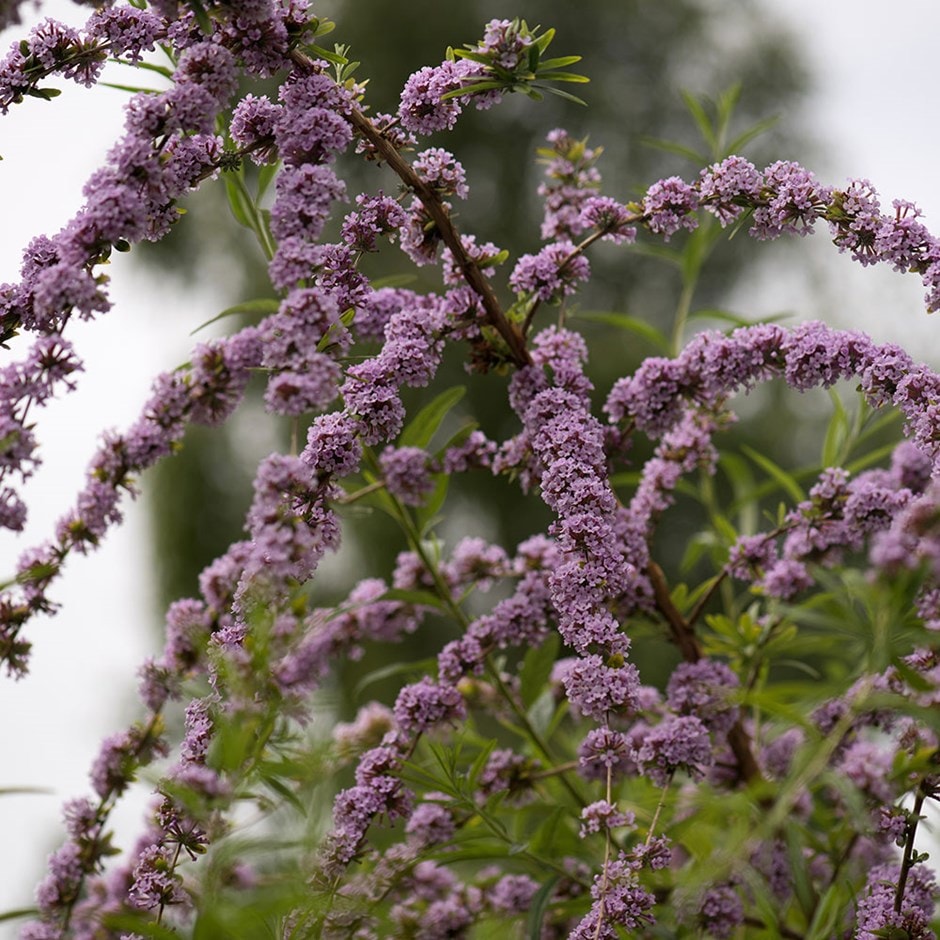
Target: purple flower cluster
{"type": "Point", "coordinates": [206, 392]}
{"type": "Point", "coordinates": [50, 364]}
{"type": "Point", "coordinates": [552, 273]}
{"type": "Point", "coordinates": [713, 366]}
{"type": "Point", "coordinates": [619, 900]}
{"type": "Point", "coordinates": [572, 181]}
{"type": "Point", "coordinates": [876, 909]}
{"type": "Point", "coordinates": [424, 108]}
{"type": "Point", "coordinates": [407, 473]}
{"type": "Point", "coordinates": [54, 48]}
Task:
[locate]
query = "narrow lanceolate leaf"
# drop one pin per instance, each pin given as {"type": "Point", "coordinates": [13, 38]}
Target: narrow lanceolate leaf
{"type": "Point", "coordinates": [537, 908]}
{"type": "Point", "coordinates": [560, 62]}
{"type": "Point", "coordinates": [237, 200]}
{"type": "Point", "coordinates": [262, 306]}
{"type": "Point", "coordinates": [786, 481]}
{"type": "Point", "coordinates": [536, 668]}
{"type": "Point", "coordinates": [425, 423]}
{"type": "Point", "coordinates": [624, 321]}
{"type": "Point", "coordinates": [837, 433]}
{"type": "Point", "coordinates": [670, 146]}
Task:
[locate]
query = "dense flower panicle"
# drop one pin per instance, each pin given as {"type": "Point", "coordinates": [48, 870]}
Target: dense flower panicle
{"type": "Point", "coordinates": [375, 215]}
{"type": "Point", "coordinates": [618, 899]}
{"type": "Point", "coordinates": [312, 128]}
{"type": "Point", "coordinates": [599, 690]}
{"type": "Point", "coordinates": [476, 451]}
{"type": "Point", "coordinates": [482, 255]}
{"type": "Point", "coordinates": [602, 816]}
{"type": "Point", "coordinates": [407, 473]}
{"type": "Point", "coordinates": [128, 31]}
{"type": "Point", "coordinates": [254, 119]}
{"type": "Point", "coordinates": [913, 537]}
{"type": "Point", "coordinates": [552, 274]}
{"type": "Point", "coordinates": [572, 181]}
{"type": "Point", "coordinates": [702, 689]}
{"type": "Point", "coordinates": [586, 580]}
{"type": "Point", "coordinates": [512, 894]}
{"type": "Point", "coordinates": [441, 170]}
{"type": "Point", "coordinates": [606, 752]}
{"type": "Point", "coordinates": [609, 217]}
{"type": "Point", "coordinates": [371, 724]}
{"type": "Point", "coordinates": [677, 743]}
{"type": "Point", "coordinates": [876, 911]}
{"type": "Point", "coordinates": [795, 199]}
{"type": "Point", "coordinates": [721, 911]}
{"type": "Point", "coordinates": [423, 108]}
{"type": "Point", "coordinates": [388, 127]}
{"type": "Point", "coordinates": [713, 366]}
{"type": "Point", "coordinates": [475, 562]}
{"type": "Point", "coordinates": [668, 206]}
{"type": "Point", "coordinates": [305, 195]}
{"type": "Point", "coordinates": [424, 704]}
{"type": "Point", "coordinates": [856, 220]}
{"type": "Point", "coordinates": [155, 883]}
{"type": "Point", "coordinates": [726, 188]}
{"type": "Point", "coordinates": [61, 885]}
{"type": "Point", "coordinates": [333, 446]}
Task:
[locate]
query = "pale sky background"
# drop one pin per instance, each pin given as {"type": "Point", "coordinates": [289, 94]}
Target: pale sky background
{"type": "Point", "coordinates": [874, 114]}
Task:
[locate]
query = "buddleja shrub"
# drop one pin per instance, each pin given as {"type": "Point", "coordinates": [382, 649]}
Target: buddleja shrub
{"type": "Point", "coordinates": [526, 782]}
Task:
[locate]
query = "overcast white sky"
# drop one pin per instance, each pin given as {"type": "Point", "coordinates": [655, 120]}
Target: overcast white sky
{"type": "Point", "coordinates": [874, 113]}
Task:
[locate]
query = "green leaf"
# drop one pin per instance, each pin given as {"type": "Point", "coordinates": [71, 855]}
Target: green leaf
{"type": "Point", "coordinates": [262, 306]}
{"type": "Point", "coordinates": [395, 669]}
{"type": "Point", "coordinates": [660, 252]}
{"type": "Point", "coordinates": [545, 40]}
{"type": "Point", "coordinates": [631, 324]}
{"type": "Point", "coordinates": [486, 85]}
{"type": "Point", "coordinates": [559, 94]}
{"type": "Point", "coordinates": [237, 200]}
{"type": "Point", "coordinates": [132, 89]}
{"type": "Point", "coordinates": [163, 70]}
{"type": "Point", "coordinates": [837, 433]}
{"type": "Point", "coordinates": [426, 515]}
{"type": "Point", "coordinates": [334, 58]}
{"type": "Point", "coordinates": [670, 146]}
{"type": "Point", "coordinates": [536, 667]}
{"type": "Point", "coordinates": [418, 598]}
{"type": "Point", "coordinates": [284, 791]}
{"type": "Point", "coordinates": [555, 76]}
{"type": "Point", "coordinates": [19, 791]}
{"type": "Point", "coordinates": [829, 914]}
{"type": "Point", "coordinates": [46, 94]}
{"type": "Point", "coordinates": [701, 119]}
{"type": "Point", "coordinates": [714, 313]}
{"type": "Point", "coordinates": [266, 175]}
{"type": "Point", "coordinates": [18, 913]}
{"type": "Point", "coordinates": [202, 18]}
{"type": "Point", "coordinates": [785, 480]}
{"type": "Point", "coordinates": [425, 423]}
{"type": "Point", "coordinates": [560, 62]}
{"type": "Point", "coordinates": [755, 131]}
{"type": "Point", "coordinates": [538, 906]}
{"type": "Point", "coordinates": [139, 924]}
{"type": "Point", "coordinates": [394, 280]}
